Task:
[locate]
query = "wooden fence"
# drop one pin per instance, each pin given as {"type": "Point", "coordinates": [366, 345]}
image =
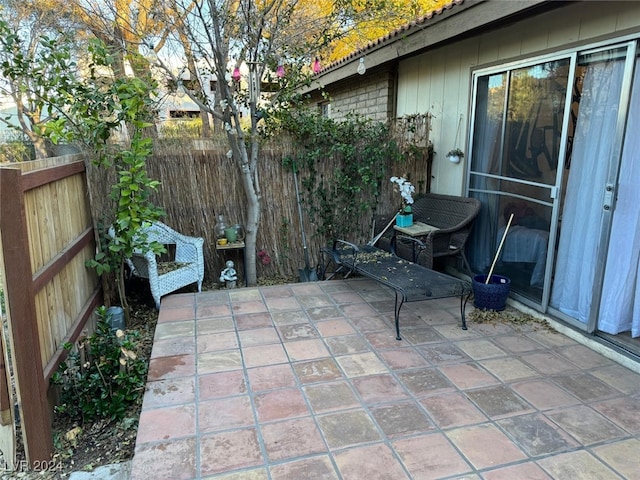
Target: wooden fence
{"type": "Point", "coordinates": [46, 235]}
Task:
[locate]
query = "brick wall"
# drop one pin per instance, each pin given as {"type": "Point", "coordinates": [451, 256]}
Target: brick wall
{"type": "Point", "coordinates": [371, 95]}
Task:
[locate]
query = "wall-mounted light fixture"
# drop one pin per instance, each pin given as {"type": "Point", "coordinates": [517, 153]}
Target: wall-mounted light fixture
{"type": "Point", "coordinates": [362, 68]}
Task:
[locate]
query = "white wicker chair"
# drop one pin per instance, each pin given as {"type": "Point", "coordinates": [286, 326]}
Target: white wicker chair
{"type": "Point", "coordinates": [167, 277]}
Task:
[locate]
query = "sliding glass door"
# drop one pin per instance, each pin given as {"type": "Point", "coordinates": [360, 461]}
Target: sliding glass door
{"type": "Point", "coordinates": [555, 158]}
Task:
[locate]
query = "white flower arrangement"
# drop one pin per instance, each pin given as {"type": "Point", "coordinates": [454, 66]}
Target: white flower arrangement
{"type": "Point", "coordinates": [406, 190]}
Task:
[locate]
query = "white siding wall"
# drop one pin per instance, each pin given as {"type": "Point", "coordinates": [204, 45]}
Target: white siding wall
{"type": "Point", "coordinates": [439, 81]}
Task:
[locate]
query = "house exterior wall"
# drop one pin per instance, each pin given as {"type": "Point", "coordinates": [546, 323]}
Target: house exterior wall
{"type": "Point", "coordinates": [373, 97]}
{"type": "Point", "coordinates": [439, 82]}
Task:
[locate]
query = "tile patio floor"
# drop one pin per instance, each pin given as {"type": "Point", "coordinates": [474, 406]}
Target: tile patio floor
{"type": "Point", "coordinates": [306, 381]}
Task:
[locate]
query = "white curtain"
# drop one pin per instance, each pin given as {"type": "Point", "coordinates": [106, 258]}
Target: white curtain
{"type": "Point", "coordinates": [620, 306]}
{"type": "Point", "coordinates": [582, 214]}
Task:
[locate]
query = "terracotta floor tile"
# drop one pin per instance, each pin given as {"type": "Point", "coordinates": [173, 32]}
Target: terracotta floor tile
{"type": "Point", "coordinates": [342, 298]}
{"type": "Point", "coordinates": [280, 404]}
{"type": "Point", "coordinates": [528, 471]}
{"type": "Point", "coordinates": [299, 331]}
{"type": "Point", "coordinates": [491, 329]}
{"type": "Point", "coordinates": [306, 350]}
{"type": "Point", "coordinates": [289, 318]}
{"type": "Point", "coordinates": [584, 356]}
{"type": "Point", "coordinates": [585, 424]}
{"type": "Point", "coordinates": [306, 288]}
{"type": "Point", "coordinates": [585, 386]}
{"type": "Point", "coordinates": [213, 310]}
{"type": "Point", "coordinates": [253, 320]}
{"type": "Point", "coordinates": [214, 325]}
{"type": "Point", "coordinates": [282, 303]}
{"type": "Point", "coordinates": [217, 341]}
{"type": "Point", "coordinates": [442, 354]}
{"type": "Point", "coordinates": [360, 364]}
{"type": "Point", "coordinates": [537, 435]}
{"type": "Point", "coordinates": [168, 423]}
{"type": "Point", "coordinates": [452, 410]}
{"type": "Point", "coordinates": [313, 371]}
{"type": "Point", "coordinates": [270, 377]}
{"type": "Point", "coordinates": [468, 375]}
{"type": "Point", "coordinates": [624, 412]}
{"type": "Point", "coordinates": [325, 397]}
{"type": "Point", "coordinates": [580, 465]}
{"type": "Point", "coordinates": [420, 335]}
{"type": "Point", "coordinates": [332, 328]}
{"type": "Point", "coordinates": [498, 401]}
{"type": "Point", "coordinates": [358, 310]}
{"type": "Point", "coordinates": [430, 456]}
{"type": "Point", "coordinates": [314, 301]}
{"type": "Point", "coordinates": [226, 451]}
{"type": "Point", "coordinates": [372, 462]}
{"type": "Point", "coordinates": [177, 300]}
{"type": "Point", "coordinates": [403, 358]}
{"type": "Point", "coordinates": [245, 295]}
{"type": "Point", "coordinates": [224, 413]}
{"type": "Point", "coordinates": [480, 349]}
{"type": "Point", "coordinates": [508, 369]}
{"type": "Point", "coordinates": [262, 355]}
{"type": "Point", "coordinates": [172, 346]}
{"type": "Point", "coordinates": [276, 291]}
{"type": "Point", "coordinates": [544, 395]}
{"type": "Point", "coordinates": [178, 460]}
{"type": "Point", "coordinates": [259, 336]}
{"type": "Point", "coordinates": [370, 324]}
{"type": "Point", "coordinates": [383, 340]}
{"type": "Point", "coordinates": [425, 381]}
{"type": "Point", "coordinates": [517, 343]}
{"type": "Point", "coordinates": [316, 468]}
{"type": "Point", "coordinates": [620, 378]}
{"type": "Point", "coordinates": [171, 391]}
{"type": "Point", "coordinates": [223, 384]}
{"type": "Point", "coordinates": [174, 329]}
{"type": "Point", "coordinates": [162, 368]}
{"type": "Point", "coordinates": [256, 306]}
{"type": "Point", "coordinates": [324, 313]}
{"type": "Point", "coordinates": [243, 474]}
{"type": "Point", "coordinates": [212, 297]}
{"type": "Point", "coordinates": [485, 446]}
{"type": "Point", "coordinates": [548, 363]}
{"type": "Point", "coordinates": [401, 419]}
{"type": "Point", "coordinates": [621, 456]}
{"type": "Point", "coordinates": [453, 332]}
{"type": "Point", "coordinates": [379, 388]}
{"type": "Point", "coordinates": [551, 338]}
{"type": "Point", "coordinates": [344, 429]}
{"type": "Point", "coordinates": [347, 344]}
{"type": "Point", "coordinates": [219, 361]}
{"type": "Point", "coordinates": [177, 313]}
{"type": "Point", "coordinates": [292, 438]}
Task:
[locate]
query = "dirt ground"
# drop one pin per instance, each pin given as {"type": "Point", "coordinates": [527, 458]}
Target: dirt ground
{"type": "Point", "coordinates": [85, 447]}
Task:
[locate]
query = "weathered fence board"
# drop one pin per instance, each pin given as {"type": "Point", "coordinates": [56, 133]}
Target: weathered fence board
{"type": "Point", "coordinates": [46, 236]}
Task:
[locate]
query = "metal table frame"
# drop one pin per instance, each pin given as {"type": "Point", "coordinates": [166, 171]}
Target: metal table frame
{"type": "Point", "coordinates": [411, 282]}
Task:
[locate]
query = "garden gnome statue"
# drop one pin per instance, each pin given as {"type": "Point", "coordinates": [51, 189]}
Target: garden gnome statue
{"type": "Point", "coordinates": [228, 275]}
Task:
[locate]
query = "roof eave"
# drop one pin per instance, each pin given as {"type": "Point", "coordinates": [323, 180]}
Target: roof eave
{"type": "Point", "coordinates": [463, 18]}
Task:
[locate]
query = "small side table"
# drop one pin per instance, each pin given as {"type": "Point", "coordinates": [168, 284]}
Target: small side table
{"type": "Point", "coordinates": [418, 229]}
{"type": "Point", "coordinates": [236, 246]}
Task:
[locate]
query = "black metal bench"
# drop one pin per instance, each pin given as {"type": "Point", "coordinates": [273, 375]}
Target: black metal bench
{"type": "Point", "coordinates": [410, 281]}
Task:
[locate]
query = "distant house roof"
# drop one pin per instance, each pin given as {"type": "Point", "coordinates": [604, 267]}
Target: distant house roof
{"type": "Point", "coordinates": [457, 19]}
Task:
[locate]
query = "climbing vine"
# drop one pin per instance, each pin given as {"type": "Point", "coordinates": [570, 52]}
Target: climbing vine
{"type": "Point", "coordinates": [356, 152]}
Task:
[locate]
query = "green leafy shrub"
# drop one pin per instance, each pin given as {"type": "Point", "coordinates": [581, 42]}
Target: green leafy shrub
{"type": "Point", "coordinates": [103, 377]}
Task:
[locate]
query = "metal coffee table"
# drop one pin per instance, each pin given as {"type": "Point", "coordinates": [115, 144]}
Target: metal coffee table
{"type": "Point", "coordinates": [410, 281]}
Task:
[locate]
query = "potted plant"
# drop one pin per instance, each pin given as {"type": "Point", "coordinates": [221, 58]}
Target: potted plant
{"type": "Point", "coordinates": [455, 155]}
{"type": "Point", "coordinates": [404, 218]}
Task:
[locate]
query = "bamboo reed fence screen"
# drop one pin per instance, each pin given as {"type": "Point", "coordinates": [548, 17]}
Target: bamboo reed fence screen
{"type": "Point", "coordinates": [198, 185]}
{"type": "Point", "coordinates": [47, 234]}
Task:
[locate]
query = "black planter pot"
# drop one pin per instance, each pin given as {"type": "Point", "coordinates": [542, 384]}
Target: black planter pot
{"type": "Point", "coordinates": [492, 295]}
